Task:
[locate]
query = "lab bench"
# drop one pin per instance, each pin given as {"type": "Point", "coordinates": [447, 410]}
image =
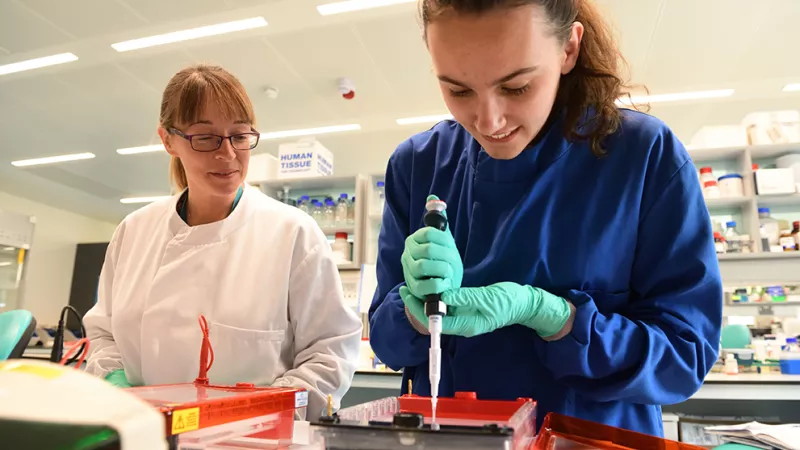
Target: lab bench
{"type": "Point", "coordinates": [768, 395]}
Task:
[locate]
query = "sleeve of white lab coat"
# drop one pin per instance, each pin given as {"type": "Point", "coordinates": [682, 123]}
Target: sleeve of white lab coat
{"type": "Point", "coordinates": [104, 356]}
{"type": "Point", "coordinates": [327, 333]}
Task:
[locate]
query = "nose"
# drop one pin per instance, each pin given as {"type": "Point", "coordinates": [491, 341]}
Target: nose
{"type": "Point", "coordinates": [490, 115]}
{"type": "Point", "coordinates": [225, 152]}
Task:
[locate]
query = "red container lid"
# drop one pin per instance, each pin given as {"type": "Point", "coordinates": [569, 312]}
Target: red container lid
{"type": "Point", "coordinates": [341, 235]}
{"type": "Point", "coordinates": [705, 170]}
{"type": "Point", "coordinates": [755, 166]}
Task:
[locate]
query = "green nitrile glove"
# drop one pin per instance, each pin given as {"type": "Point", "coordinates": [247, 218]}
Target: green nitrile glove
{"type": "Point", "coordinates": [485, 309]}
{"type": "Point", "coordinates": [118, 379]}
{"type": "Point", "coordinates": [431, 262]}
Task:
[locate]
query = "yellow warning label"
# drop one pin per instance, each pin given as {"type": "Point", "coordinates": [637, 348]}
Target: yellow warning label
{"type": "Point", "coordinates": [185, 420]}
{"type": "Point", "coordinates": [32, 369]}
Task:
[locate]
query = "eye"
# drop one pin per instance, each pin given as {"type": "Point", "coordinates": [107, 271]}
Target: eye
{"type": "Point", "coordinates": [517, 91]}
{"type": "Point", "coordinates": [461, 93]}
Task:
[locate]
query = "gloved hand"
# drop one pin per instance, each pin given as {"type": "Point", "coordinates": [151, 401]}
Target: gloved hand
{"type": "Point", "coordinates": [474, 311]}
{"type": "Point", "coordinates": [431, 262]}
{"type": "Point", "coordinates": [118, 379]}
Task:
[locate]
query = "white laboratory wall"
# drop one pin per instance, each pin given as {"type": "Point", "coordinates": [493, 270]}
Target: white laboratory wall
{"type": "Point", "coordinates": [52, 257]}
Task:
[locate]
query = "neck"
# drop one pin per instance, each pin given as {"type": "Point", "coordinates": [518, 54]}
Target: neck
{"type": "Point", "coordinates": [204, 209]}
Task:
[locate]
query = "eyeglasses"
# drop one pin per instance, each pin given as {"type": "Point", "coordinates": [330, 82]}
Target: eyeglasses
{"type": "Point", "coordinates": [212, 142]}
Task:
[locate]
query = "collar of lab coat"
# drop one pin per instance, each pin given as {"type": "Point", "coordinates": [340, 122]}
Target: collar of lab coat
{"type": "Point", "coordinates": [210, 233]}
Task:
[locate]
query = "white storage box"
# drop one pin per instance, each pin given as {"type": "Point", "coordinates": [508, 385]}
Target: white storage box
{"type": "Point", "coordinates": [791, 161]}
{"type": "Point", "coordinates": [719, 136]}
{"type": "Point", "coordinates": [775, 181]}
{"type": "Point", "coordinates": [772, 127]}
{"type": "Point", "coordinates": [262, 167]}
{"type": "Point", "coordinates": [304, 158]}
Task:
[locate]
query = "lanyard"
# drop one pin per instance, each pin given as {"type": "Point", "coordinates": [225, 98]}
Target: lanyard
{"type": "Point", "coordinates": [183, 201]}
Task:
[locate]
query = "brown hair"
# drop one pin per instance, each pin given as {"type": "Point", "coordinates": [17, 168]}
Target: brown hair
{"type": "Point", "coordinates": [593, 85]}
{"type": "Point", "coordinates": [185, 96]}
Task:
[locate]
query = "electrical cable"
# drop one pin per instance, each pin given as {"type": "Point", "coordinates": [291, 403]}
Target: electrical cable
{"type": "Point", "coordinates": [79, 343]}
{"type": "Point", "coordinates": [58, 340]}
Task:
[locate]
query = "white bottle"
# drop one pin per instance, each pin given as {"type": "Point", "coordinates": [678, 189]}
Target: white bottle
{"type": "Point", "coordinates": [341, 248]}
{"type": "Point", "coordinates": [340, 216]}
{"type": "Point", "coordinates": [731, 366]}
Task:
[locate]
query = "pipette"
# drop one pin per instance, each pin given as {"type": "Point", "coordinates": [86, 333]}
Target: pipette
{"type": "Point", "coordinates": [435, 309]}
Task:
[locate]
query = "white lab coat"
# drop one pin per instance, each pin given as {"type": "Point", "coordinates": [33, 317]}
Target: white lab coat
{"type": "Point", "coordinates": [265, 280]}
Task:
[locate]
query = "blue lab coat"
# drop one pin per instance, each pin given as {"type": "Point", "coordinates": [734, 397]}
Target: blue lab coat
{"type": "Point", "coordinates": [626, 238]}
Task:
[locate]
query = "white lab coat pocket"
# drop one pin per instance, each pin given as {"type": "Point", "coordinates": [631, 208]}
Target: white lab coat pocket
{"type": "Point", "coordinates": [245, 355]}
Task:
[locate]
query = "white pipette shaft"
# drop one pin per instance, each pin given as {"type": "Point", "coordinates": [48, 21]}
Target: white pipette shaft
{"type": "Point", "coordinates": [435, 361]}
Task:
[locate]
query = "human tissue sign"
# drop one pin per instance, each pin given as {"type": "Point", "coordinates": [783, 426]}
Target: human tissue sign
{"type": "Point", "coordinates": [305, 158]}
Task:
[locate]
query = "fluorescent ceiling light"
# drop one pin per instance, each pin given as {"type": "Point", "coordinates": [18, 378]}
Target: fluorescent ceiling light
{"type": "Point", "coordinates": [663, 98]}
{"type": "Point", "coordinates": [3, 264]}
{"type": "Point", "coordinates": [143, 199]}
{"type": "Point", "coordinates": [424, 119]}
{"type": "Point", "coordinates": [37, 63]}
{"type": "Point", "coordinates": [142, 149]}
{"type": "Point", "coordinates": [52, 159]}
{"type": "Point", "coordinates": [792, 88]}
{"type": "Point", "coordinates": [355, 5]}
{"type": "Point", "coordinates": [193, 33]}
{"type": "Point", "coordinates": [310, 131]}
{"type": "Point", "coordinates": [9, 249]}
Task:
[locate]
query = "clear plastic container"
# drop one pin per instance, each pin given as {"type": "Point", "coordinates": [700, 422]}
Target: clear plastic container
{"type": "Point", "coordinates": [341, 214]}
{"type": "Point", "coordinates": [329, 213]}
{"type": "Point", "coordinates": [770, 226]}
{"type": "Point", "coordinates": [732, 238]}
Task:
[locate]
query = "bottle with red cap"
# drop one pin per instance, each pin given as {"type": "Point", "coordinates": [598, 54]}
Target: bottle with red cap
{"type": "Point", "coordinates": [719, 243]}
{"type": "Point", "coordinates": [711, 189]}
{"type": "Point", "coordinates": [706, 174]}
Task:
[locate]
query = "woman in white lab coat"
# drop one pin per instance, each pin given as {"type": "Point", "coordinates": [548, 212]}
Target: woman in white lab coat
{"type": "Point", "coordinates": [260, 271]}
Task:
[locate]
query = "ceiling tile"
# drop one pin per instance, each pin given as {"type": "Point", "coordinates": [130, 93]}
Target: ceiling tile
{"type": "Point", "coordinates": [698, 45]}
{"type": "Point", "coordinates": [22, 31]}
{"type": "Point", "coordinates": [86, 18]}
{"type": "Point", "coordinates": [766, 53]}
{"type": "Point", "coordinates": [156, 70]}
{"type": "Point", "coordinates": [161, 11]}
{"type": "Point", "coordinates": [633, 24]}
{"type": "Point", "coordinates": [321, 56]}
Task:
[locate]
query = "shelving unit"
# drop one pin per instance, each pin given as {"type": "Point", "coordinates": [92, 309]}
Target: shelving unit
{"type": "Point", "coordinates": [374, 218]}
{"type": "Point", "coordinates": [744, 210]}
{"type": "Point", "coordinates": [320, 187]}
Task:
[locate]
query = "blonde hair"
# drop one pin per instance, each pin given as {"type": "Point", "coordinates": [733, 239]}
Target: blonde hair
{"type": "Point", "coordinates": [187, 93]}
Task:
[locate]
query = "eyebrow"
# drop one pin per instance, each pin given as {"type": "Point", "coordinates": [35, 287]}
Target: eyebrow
{"type": "Point", "coordinates": [501, 80]}
{"type": "Point", "coordinates": [208, 122]}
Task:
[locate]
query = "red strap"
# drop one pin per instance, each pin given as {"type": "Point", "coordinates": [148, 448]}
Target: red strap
{"type": "Point", "coordinates": [205, 351]}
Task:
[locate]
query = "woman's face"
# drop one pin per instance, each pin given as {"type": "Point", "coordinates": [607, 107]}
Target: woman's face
{"type": "Point", "coordinates": [214, 173]}
{"type": "Point", "coordinates": [499, 73]}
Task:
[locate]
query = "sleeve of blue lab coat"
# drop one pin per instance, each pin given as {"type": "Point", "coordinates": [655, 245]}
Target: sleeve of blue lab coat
{"type": "Point", "coordinates": [659, 347]}
{"type": "Point", "coordinates": [395, 342]}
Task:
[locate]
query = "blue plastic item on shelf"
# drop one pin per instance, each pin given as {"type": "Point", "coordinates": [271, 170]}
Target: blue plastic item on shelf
{"type": "Point", "coordinates": [790, 363]}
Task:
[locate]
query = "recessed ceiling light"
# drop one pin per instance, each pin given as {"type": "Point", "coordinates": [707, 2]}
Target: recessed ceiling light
{"type": "Point", "coordinates": [310, 131]}
{"type": "Point", "coordinates": [193, 33]}
{"type": "Point", "coordinates": [423, 119]}
{"type": "Point", "coordinates": [52, 159]}
{"type": "Point", "coordinates": [142, 149]}
{"type": "Point", "coordinates": [37, 63]}
{"type": "Point", "coordinates": [792, 88]}
{"type": "Point", "coordinates": [355, 5]}
{"type": "Point", "coordinates": [663, 98]}
{"type": "Point", "coordinates": [130, 200]}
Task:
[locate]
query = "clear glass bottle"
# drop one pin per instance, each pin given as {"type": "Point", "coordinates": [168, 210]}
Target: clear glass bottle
{"type": "Point", "coordinates": [733, 239]}
{"type": "Point", "coordinates": [303, 204]}
{"type": "Point", "coordinates": [351, 212]}
{"type": "Point", "coordinates": [341, 213]}
{"type": "Point", "coordinates": [316, 212]}
{"type": "Point", "coordinates": [380, 196]}
{"type": "Point", "coordinates": [329, 213]}
{"type": "Point", "coordinates": [771, 227]}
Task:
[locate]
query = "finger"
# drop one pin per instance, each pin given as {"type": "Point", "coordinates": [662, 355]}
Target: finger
{"type": "Point", "coordinates": [433, 252]}
{"type": "Point", "coordinates": [430, 286]}
{"type": "Point", "coordinates": [414, 305]}
{"type": "Point", "coordinates": [461, 297]}
{"type": "Point", "coordinates": [430, 235]}
{"type": "Point", "coordinates": [426, 268]}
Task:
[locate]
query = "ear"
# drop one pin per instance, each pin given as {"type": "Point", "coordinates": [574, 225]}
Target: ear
{"type": "Point", "coordinates": [572, 48]}
{"type": "Point", "coordinates": [165, 138]}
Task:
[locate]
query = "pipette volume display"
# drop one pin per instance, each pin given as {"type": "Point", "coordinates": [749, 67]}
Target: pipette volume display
{"type": "Point", "coordinates": [435, 309]}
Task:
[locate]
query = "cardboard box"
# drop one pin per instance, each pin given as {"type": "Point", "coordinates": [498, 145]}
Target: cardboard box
{"type": "Point", "coordinates": [775, 181]}
{"type": "Point", "coordinates": [303, 159]}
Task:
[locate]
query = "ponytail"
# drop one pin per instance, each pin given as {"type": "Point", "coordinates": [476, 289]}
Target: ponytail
{"type": "Point", "coordinates": [177, 174]}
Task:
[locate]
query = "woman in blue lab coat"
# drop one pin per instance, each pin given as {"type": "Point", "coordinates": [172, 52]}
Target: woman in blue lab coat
{"type": "Point", "coordinates": [579, 265]}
